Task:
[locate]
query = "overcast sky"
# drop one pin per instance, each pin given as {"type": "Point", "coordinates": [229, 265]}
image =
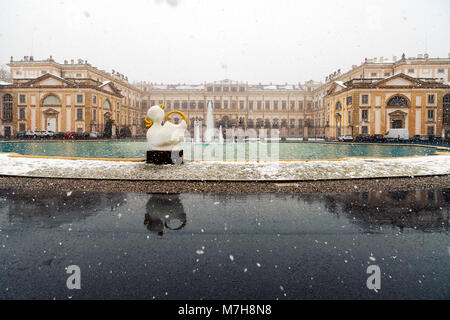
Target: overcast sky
{"type": "Point", "coordinates": [190, 41]}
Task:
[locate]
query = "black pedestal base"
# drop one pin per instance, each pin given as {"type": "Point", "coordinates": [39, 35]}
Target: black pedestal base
{"type": "Point", "coordinates": [165, 157]}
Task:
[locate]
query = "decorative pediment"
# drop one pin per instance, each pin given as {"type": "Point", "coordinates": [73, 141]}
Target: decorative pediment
{"type": "Point", "coordinates": [49, 80]}
{"type": "Point", "coordinates": [109, 87]}
{"type": "Point", "coordinates": [399, 80]}
{"type": "Point", "coordinates": [398, 113]}
{"type": "Point", "coordinates": [50, 112]}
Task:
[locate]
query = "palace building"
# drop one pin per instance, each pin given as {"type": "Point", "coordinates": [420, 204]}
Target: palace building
{"type": "Point", "coordinates": [46, 95]}
{"type": "Point", "coordinates": [377, 95]}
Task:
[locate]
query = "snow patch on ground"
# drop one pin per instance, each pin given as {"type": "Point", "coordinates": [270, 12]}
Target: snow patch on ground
{"type": "Point", "coordinates": [222, 170]}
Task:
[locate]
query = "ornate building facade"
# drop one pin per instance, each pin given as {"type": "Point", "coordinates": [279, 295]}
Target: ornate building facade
{"type": "Point", "coordinates": [46, 95]}
{"type": "Point", "coordinates": [379, 94]}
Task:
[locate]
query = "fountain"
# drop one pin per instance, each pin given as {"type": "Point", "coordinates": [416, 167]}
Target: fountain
{"type": "Point", "coordinates": [164, 139]}
{"type": "Point", "coordinates": [209, 133]}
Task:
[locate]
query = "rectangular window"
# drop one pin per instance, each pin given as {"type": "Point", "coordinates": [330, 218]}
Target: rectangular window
{"type": "Point", "coordinates": [283, 105]}
{"type": "Point", "coordinates": [118, 118]}
{"type": "Point", "coordinates": [217, 105]}
{"type": "Point", "coordinates": [349, 101]}
{"type": "Point", "coordinates": [225, 104]}
{"type": "Point", "coordinates": [94, 115]}
{"type": "Point", "coordinates": [209, 89]}
{"type": "Point", "coordinates": [292, 105]}
{"type": "Point", "coordinates": [184, 104]}
{"type": "Point", "coordinates": [275, 105]}
{"type": "Point", "coordinates": [431, 99]}
{"type": "Point", "coordinates": [234, 89]}
{"type": "Point", "coordinates": [300, 123]}
{"type": "Point", "coordinates": [292, 123]}
{"type": "Point", "coordinates": [387, 74]}
{"type": "Point", "coordinates": [267, 105]}
{"type": "Point", "coordinates": [226, 89]}
{"type": "Point", "coordinates": [349, 116]}
{"type": "Point", "coordinates": [94, 99]}
{"type": "Point", "coordinates": [22, 127]}
{"type": "Point", "coordinates": [78, 75]}
{"type": "Point", "coordinates": [241, 89]}
{"type": "Point", "coordinates": [430, 130]}
{"type": "Point", "coordinates": [300, 105]}
{"type": "Point", "coordinates": [373, 74]}
{"type": "Point", "coordinates": [218, 89]}
{"type": "Point", "coordinates": [364, 129]}
{"type": "Point", "coordinates": [250, 105]}
{"type": "Point", "coordinates": [22, 114]}
{"type": "Point", "coordinates": [259, 104]}
{"type": "Point", "coordinates": [241, 105]}
{"type": "Point", "coordinates": [79, 114]}
{"type": "Point", "coordinates": [365, 99]}
{"type": "Point", "coordinates": [22, 99]}
{"type": "Point", "coordinates": [233, 105]}
{"type": "Point", "coordinates": [201, 105]}
{"type": "Point", "coordinates": [440, 70]}
{"type": "Point", "coordinates": [309, 105]}
{"type": "Point", "coordinates": [192, 105]}
{"type": "Point", "coordinates": [152, 103]}
{"type": "Point", "coordinates": [43, 72]}
{"type": "Point", "coordinates": [365, 115]}
{"type": "Point", "coordinates": [79, 98]}
{"type": "Point", "coordinates": [410, 70]}
{"type": "Point", "coordinates": [430, 115]}
{"type": "Point", "coordinates": [118, 106]}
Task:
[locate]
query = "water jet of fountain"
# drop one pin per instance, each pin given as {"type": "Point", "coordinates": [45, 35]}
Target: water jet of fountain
{"type": "Point", "coordinates": [209, 133]}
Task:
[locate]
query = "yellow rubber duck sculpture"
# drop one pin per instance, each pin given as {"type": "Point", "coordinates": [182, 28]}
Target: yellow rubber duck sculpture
{"type": "Point", "coordinates": [164, 137]}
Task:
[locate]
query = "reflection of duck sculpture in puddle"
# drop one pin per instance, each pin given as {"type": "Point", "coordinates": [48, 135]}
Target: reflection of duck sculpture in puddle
{"type": "Point", "coordinates": [167, 136]}
{"type": "Point", "coordinates": [165, 211]}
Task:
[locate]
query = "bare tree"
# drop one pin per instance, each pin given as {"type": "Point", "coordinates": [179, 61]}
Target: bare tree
{"type": "Point", "coordinates": [5, 75]}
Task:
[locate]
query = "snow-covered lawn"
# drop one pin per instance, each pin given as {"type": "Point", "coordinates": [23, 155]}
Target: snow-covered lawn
{"type": "Point", "coordinates": [219, 170]}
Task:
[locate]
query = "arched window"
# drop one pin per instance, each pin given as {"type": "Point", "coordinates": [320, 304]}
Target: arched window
{"type": "Point", "coordinates": [106, 105]}
{"type": "Point", "coordinates": [7, 107]}
{"type": "Point", "coordinates": [51, 100]}
{"type": "Point", "coordinates": [275, 123]}
{"type": "Point", "coordinates": [397, 101]}
{"type": "Point", "coordinates": [338, 106]}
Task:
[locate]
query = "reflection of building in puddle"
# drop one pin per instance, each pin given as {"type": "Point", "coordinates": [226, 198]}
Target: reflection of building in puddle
{"type": "Point", "coordinates": [165, 211]}
{"type": "Point", "coordinates": [53, 210]}
{"type": "Point", "coordinates": [419, 209]}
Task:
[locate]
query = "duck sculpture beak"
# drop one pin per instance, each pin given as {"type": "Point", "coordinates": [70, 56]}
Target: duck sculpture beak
{"type": "Point", "coordinates": [148, 123]}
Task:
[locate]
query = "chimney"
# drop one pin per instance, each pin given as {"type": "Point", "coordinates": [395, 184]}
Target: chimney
{"type": "Point", "coordinates": [65, 61]}
{"type": "Point", "coordinates": [426, 56]}
{"type": "Point", "coordinates": [25, 58]}
{"type": "Point", "coordinates": [381, 59]}
{"type": "Point", "coordinates": [71, 61]}
{"type": "Point", "coordinates": [375, 60]}
{"type": "Point", "coordinates": [31, 58]}
{"type": "Point", "coordinates": [354, 66]}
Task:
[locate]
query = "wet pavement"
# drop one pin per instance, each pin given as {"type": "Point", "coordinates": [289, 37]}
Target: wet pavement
{"type": "Point", "coordinates": [206, 246]}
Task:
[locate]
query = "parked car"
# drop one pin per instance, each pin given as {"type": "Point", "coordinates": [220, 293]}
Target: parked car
{"type": "Point", "coordinates": [397, 135]}
{"type": "Point", "coordinates": [345, 137]}
{"type": "Point", "coordinates": [21, 135]}
{"type": "Point", "coordinates": [363, 137]}
{"type": "Point", "coordinates": [46, 134]}
{"type": "Point", "coordinates": [419, 137]}
{"type": "Point", "coordinates": [30, 134]}
{"type": "Point", "coordinates": [434, 138]}
{"type": "Point", "coordinates": [377, 138]}
{"type": "Point", "coordinates": [94, 135]}
{"type": "Point", "coordinates": [70, 135]}
{"type": "Point", "coordinates": [82, 135]}
{"type": "Point", "coordinates": [38, 134]}
{"type": "Point", "coordinates": [59, 135]}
